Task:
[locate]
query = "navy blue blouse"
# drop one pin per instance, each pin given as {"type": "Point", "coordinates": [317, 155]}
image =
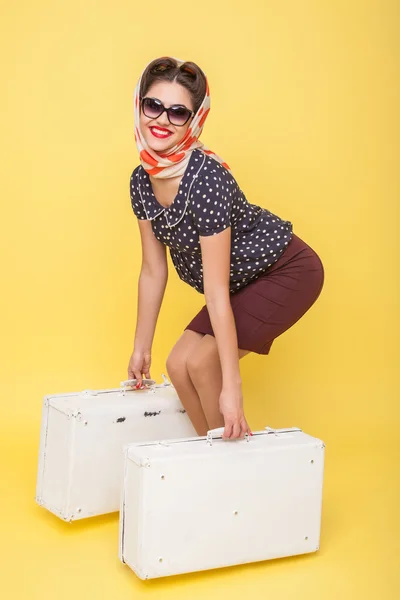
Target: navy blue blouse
{"type": "Point", "coordinates": [208, 201]}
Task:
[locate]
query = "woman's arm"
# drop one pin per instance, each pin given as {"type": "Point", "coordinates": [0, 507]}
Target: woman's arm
{"type": "Point", "coordinates": [151, 287]}
{"type": "Point", "coordinates": [216, 252]}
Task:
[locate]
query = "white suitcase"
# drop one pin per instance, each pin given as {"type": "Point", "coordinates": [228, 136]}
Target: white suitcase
{"type": "Point", "coordinates": [82, 438]}
{"type": "Point", "coordinates": [202, 503]}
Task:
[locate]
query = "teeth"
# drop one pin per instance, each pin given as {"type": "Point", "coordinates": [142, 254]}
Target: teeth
{"type": "Point", "coordinates": [160, 131]}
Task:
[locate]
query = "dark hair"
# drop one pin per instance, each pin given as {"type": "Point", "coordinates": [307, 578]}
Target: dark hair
{"type": "Point", "coordinates": [189, 75]}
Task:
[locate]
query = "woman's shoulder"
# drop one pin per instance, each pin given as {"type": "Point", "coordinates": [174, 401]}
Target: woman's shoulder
{"type": "Point", "coordinates": [135, 194]}
{"type": "Point", "coordinates": [135, 180]}
{"type": "Point", "coordinates": [136, 172]}
{"type": "Point", "coordinates": [212, 197]}
{"type": "Point", "coordinates": [213, 171]}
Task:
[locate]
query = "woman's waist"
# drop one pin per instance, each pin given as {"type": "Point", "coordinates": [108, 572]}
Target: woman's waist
{"type": "Point", "coordinates": [261, 222]}
{"type": "Point", "coordinates": [297, 252]}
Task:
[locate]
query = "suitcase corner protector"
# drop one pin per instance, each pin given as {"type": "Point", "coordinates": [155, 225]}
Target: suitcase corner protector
{"type": "Point", "coordinates": [68, 518]}
{"type": "Point", "coordinates": [141, 574]}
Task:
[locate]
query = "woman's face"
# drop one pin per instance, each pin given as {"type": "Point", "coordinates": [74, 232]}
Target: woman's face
{"type": "Point", "coordinates": [159, 133]}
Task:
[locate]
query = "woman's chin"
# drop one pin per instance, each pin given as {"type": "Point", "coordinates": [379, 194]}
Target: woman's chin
{"type": "Point", "coordinates": [158, 145]}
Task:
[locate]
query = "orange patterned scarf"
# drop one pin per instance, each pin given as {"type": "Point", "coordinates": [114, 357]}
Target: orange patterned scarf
{"type": "Point", "coordinates": [174, 162]}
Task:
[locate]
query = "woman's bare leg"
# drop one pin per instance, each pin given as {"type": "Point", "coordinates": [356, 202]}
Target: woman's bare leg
{"type": "Point", "coordinates": [178, 373]}
{"type": "Point", "coordinates": [204, 369]}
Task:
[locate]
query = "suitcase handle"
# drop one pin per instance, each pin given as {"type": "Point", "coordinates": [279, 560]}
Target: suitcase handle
{"type": "Point", "coordinates": [129, 384]}
{"type": "Point", "coordinates": [133, 383]}
{"type": "Point", "coordinates": [217, 433]}
{"type": "Point", "coordinates": [146, 383]}
{"type": "Point", "coordinates": [277, 431]}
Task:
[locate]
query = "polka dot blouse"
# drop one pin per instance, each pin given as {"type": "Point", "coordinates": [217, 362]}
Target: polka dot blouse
{"type": "Point", "coordinates": [208, 201]}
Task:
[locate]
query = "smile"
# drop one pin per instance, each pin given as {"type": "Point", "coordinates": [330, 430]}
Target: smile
{"type": "Point", "coordinates": [160, 133]}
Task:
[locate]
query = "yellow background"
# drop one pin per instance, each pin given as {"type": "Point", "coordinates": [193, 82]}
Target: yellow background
{"type": "Point", "coordinates": [305, 100]}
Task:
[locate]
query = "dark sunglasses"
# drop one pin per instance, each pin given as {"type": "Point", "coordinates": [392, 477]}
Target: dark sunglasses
{"type": "Point", "coordinates": [177, 114]}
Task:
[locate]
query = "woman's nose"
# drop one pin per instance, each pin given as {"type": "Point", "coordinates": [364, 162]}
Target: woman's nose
{"type": "Point", "coordinates": [162, 120]}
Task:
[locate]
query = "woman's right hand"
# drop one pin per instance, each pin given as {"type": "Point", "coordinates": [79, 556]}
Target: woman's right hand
{"type": "Point", "coordinates": [139, 364]}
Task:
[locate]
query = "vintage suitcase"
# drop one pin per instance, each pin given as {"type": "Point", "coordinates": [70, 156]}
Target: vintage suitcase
{"type": "Point", "coordinates": [194, 504]}
{"type": "Point", "coordinates": [82, 438]}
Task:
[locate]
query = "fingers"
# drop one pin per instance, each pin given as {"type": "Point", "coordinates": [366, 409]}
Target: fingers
{"type": "Point", "coordinates": [232, 430]}
{"type": "Point", "coordinates": [138, 376]}
{"type": "Point", "coordinates": [236, 430]}
{"type": "Point", "coordinates": [139, 366]}
{"type": "Point", "coordinates": [246, 429]}
{"type": "Point", "coordinates": [227, 431]}
{"type": "Point", "coordinates": [133, 372]}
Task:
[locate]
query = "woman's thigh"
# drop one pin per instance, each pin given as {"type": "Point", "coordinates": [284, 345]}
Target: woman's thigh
{"type": "Point", "coordinates": [197, 351]}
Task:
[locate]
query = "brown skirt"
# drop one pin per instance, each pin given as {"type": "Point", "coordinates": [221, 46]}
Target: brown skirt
{"type": "Point", "coordinates": [268, 306]}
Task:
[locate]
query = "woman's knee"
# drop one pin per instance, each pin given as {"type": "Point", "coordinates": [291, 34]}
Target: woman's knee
{"type": "Point", "coordinates": [202, 362]}
{"type": "Point", "coordinates": [177, 360]}
{"type": "Point", "coordinates": [176, 365]}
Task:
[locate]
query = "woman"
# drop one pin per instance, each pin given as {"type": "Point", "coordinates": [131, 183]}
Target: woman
{"type": "Point", "coordinates": [257, 276]}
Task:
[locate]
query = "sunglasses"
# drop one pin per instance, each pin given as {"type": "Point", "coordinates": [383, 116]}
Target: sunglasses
{"type": "Point", "coordinates": [177, 114]}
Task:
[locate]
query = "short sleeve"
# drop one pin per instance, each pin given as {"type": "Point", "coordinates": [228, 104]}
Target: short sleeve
{"type": "Point", "coordinates": [212, 199]}
{"type": "Point", "coordinates": [136, 202]}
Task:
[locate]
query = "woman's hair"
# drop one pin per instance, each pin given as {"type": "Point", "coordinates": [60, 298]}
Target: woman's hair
{"type": "Point", "coordinates": [189, 75]}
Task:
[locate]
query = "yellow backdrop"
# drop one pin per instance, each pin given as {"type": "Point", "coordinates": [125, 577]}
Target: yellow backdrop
{"type": "Point", "coordinates": [305, 100]}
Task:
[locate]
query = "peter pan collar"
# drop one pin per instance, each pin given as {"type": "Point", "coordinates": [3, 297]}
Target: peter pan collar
{"type": "Point", "coordinates": [176, 211]}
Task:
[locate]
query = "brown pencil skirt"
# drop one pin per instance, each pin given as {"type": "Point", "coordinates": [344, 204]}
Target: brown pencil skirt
{"type": "Point", "coordinates": [268, 306]}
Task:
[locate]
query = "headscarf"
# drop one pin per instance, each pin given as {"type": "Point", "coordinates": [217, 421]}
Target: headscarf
{"type": "Point", "coordinates": [173, 163]}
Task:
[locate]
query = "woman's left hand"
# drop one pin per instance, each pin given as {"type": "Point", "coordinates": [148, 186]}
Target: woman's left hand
{"type": "Point", "coordinates": [231, 407]}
